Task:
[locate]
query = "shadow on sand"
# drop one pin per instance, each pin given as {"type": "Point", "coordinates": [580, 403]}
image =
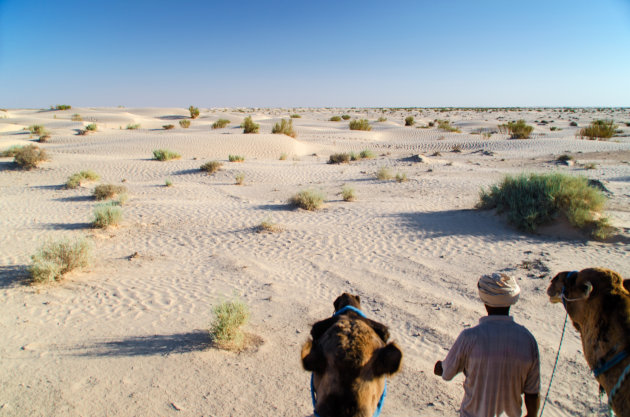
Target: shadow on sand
{"type": "Point", "coordinates": [172, 117]}
{"type": "Point", "coordinates": [13, 275]}
{"type": "Point", "coordinates": [159, 344]}
{"type": "Point", "coordinates": [66, 226]}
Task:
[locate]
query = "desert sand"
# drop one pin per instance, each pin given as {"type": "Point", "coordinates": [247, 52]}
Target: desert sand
{"type": "Point", "coordinates": [128, 336]}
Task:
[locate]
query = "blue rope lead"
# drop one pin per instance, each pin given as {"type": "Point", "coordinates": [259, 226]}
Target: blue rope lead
{"type": "Point", "coordinates": [613, 391]}
{"type": "Point", "coordinates": [566, 317]}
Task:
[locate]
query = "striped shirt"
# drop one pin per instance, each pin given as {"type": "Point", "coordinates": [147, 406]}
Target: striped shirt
{"type": "Point", "coordinates": [500, 361]}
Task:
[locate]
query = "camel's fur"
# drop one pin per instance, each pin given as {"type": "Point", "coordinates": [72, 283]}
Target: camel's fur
{"type": "Point", "coordinates": [349, 361]}
{"type": "Point", "coordinates": [603, 320]}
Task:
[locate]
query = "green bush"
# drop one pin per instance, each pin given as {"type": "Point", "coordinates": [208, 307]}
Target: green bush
{"type": "Point", "coordinates": [284, 127]}
{"type": "Point", "coordinates": [107, 214]}
{"type": "Point", "coordinates": [295, 116]}
{"type": "Point", "coordinates": [194, 112]}
{"type": "Point", "coordinates": [533, 200]}
{"type": "Point", "coordinates": [345, 117]}
{"type": "Point", "coordinates": [335, 119]}
{"type": "Point", "coordinates": [165, 155]}
{"type": "Point", "coordinates": [307, 200]}
{"type": "Point", "coordinates": [409, 121]}
{"type": "Point", "coordinates": [339, 158]}
{"type": "Point", "coordinates": [184, 123]}
{"type": "Point", "coordinates": [517, 130]}
{"type": "Point", "coordinates": [249, 126]}
{"type": "Point", "coordinates": [76, 117]}
{"type": "Point", "coordinates": [107, 191]}
{"type": "Point", "coordinates": [133, 126]}
{"type": "Point", "coordinates": [446, 126]}
{"type": "Point", "coordinates": [603, 129]}
{"type": "Point", "coordinates": [220, 124]}
{"type": "Point", "coordinates": [229, 317]}
{"type": "Point", "coordinates": [54, 259]}
{"type": "Point", "coordinates": [361, 124]}
{"type": "Point", "coordinates": [211, 167]}
{"type": "Point", "coordinates": [91, 127]}
{"type": "Point", "coordinates": [236, 158]}
{"type": "Point", "coordinates": [168, 183]}
{"type": "Point", "coordinates": [63, 107]}
{"type": "Point", "coordinates": [75, 180]}
{"type": "Point", "coordinates": [168, 127]}
{"type": "Point", "coordinates": [35, 129]}
{"type": "Point", "coordinates": [367, 154]}
{"type": "Point", "coordinates": [29, 157]}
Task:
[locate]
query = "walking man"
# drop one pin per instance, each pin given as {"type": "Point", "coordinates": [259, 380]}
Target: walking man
{"type": "Point", "coordinates": [498, 357]}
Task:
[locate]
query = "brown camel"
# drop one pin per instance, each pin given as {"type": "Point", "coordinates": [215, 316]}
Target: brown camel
{"type": "Point", "coordinates": [349, 359]}
{"type": "Point", "coordinates": [598, 302]}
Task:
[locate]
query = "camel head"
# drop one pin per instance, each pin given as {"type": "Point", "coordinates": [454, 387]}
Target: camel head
{"type": "Point", "coordinates": [584, 285]}
{"type": "Point", "coordinates": [349, 362]}
{"type": "Point", "coordinates": [347, 299]}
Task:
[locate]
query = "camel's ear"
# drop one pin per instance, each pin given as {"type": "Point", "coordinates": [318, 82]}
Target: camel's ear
{"type": "Point", "coordinates": [388, 360]}
{"type": "Point", "coordinates": [313, 359]}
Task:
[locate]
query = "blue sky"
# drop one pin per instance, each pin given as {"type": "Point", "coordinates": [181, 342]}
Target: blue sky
{"type": "Point", "coordinates": [314, 53]}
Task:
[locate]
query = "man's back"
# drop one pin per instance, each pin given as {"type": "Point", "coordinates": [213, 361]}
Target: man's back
{"type": "Point", "coordinates": [500, 360]}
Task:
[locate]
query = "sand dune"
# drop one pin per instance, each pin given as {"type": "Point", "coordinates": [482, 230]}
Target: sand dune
{"type": "Point", "coordinates": [128, 336]}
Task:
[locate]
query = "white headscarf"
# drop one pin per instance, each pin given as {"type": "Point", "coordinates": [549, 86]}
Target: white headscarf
{"type": "Point", "coordinates": [498, 290]}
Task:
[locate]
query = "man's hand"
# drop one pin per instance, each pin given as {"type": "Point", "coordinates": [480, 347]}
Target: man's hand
{"type": "Point", "coordinates": [532, 402]}
{"type": "Point", "coordinates": [438, 370]}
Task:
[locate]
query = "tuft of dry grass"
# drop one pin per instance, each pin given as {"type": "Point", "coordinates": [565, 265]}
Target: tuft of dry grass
{"type": "Point", "coordinates": [401, 177]}
{"type": "Point", "coordinates": [360, 124]}
{"type": "Point", "coordinates": [236, 158]}
{"type": "Point", "coordinates": [267, 226]}
{"type": "Point", "coordinates": [249, 126]}
{"type": "Point", "coordinates": [29, 157]}
{"type": "Point", "coordinates": [339, 158]}
{"type": "Point", "coordinates": [184, 123]}
{"type": "Point", "coordinates": [335, 119]}
{"type": "Point", "coordinates": [168, 127]}
{"type": "Point", "coordinates": [165, 155]}
{"type": "Point", "coordinates": [239, 179]}
{"type": "Point", "coordinates": [211, 167]}
{"type": "Point", "coordinates": [599, 129]}
{"type": "Point", "coordinates": [409, 121]}
{"type": "Point", "coordinates": [384, 173]}
{"type": "Point", "coordinates": [11, 151]}
{"type": "Point", "coordinates": [347, 193]}
{"type": "Point", "coordinates": [284, 127]}
{"type": "Point", "coordinates": [220, 124]}
{"type": "Point", "coordinates": [135, 126]}
{"type": "Point", "coordinates": [54, 259]}
{"type": "Point", "coordinates": [308, 200]}
{"type": "Point", "coordinates": [107, 191]}
{"type": "Point", "coordinates": [76, 117]}
{"type": "Point", "coordinates": [106, 215]}
{"type": "Point", "coordinates": [75, 180]}
{"type": "Point", "coordinates": [92, 127]}
{"type": "Point", "coordinates": [517, 130]}
{"type": "Point", "coordinates": [226, 328]}
{"type": "Point", "coordinates": [194, 112]}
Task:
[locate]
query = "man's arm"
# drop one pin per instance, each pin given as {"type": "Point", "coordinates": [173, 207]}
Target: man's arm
{"type": "Point", "coordinates": [532, 402]}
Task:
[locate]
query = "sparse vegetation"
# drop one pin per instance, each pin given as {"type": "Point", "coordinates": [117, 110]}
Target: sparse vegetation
{"type": "Point", "coordinates": [360, 124]}
{"type": "Point", "coordinates": [76, 117]}
{"type": "Point", "coordinates": [236, 158]}
{"type": "Point", "coordinates": [108, 191]}
{"type": "Point", "coordinates": [54, 259]}
{"type": "Point", "coordinates": [11, 151]}
{"type": "Point", "coordinates": [249, 126]}
{"type": "Point", "coordinates": [29, 157]}
{"type": "Point", "coordinates": [106, 215]}
{"type": "Point", "coordinates": [401, 177]}
{"type": "Point", "coordinates": [268, 226]}
{"type": "Point", "coordinates": [194, 112]}
{"type": "Point", "coordinates": [308, 200]}
{"type": "Point", "coordinates": [517, 130]}
{"type": "Point", "coordinates": [347, 193]}
{"type": "Point", "coordinates": [345, 117]}
{"type": "Point", "coordinates": [44, 135]}
{"type": "Point", "coordinates": [456, 148]}
{"type": "Point", "coordinates": [283, 156]}
{"type": "Point", "coordinates": [239, 179]}
{"type": "Point", "coordinates": [335, 119]}
{"type": "Point", "coordinates": [92, 127]}
{"type": "Point", "coordinates": [284, 127]}
{"type": "Point", "coordinates": [537, 199]}
{"type": "Point", "coordinates": [339, 158]}
{"type": "Point", "coordinates": [165, 155]}
{"type": "Point", "coordinates": [35, 129]}
{"type": "Point", "coordinates": [168, 183]}
{"type": "Point", "coordinates": [75, 180]}
{"type": "Point", "coordinates": [220, 124]}
{"type": "Point", "coordinates": [63, 107]}
{"type": "Point", "coordinates": [382, 119]}
{"type": "Point", "coordinates": [211, 167]}
{"type": "Point", "coordinates": [590, 165]}
{"type": "Point", "coordinates": [168, 127]}
{"type": "Point", "coordinates": [366, 154]}
{"type": "Point", "coordinates": [384, 173]}
{"type": "Point", "coordinates": [447, 127]}
{"type": "Point", "coordinates": [184, 123]}
{"type": "Point", "coordinates": [599, 129]}
{"type": "Point", "coordinates": [295, 116]}
{"type": "Point", "coordinates": [133, 126]}
{"type": "Point", "coordinates": [409, 121]}
{"type": "Point", "coordinates": [229, 318]}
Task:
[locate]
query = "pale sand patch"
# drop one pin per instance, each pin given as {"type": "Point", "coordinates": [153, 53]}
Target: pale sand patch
{"type": "Point", "coordinates": [128, 336]}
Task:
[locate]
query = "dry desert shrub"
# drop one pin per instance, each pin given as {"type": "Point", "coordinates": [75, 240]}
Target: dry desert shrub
{"type": "Point", "coordinates": [29, 157]}
{"type": "Point", "coordinates": [517, 130]}
{"type": "Point", "coordinates": [308, 200]}
{"type": "Point", "coordinates": [107, 191]}
{"type": "Point", "coordinates": [44, 136]}
{"type": "Point", "coordinates": [133, 126]}
{"type": "Point", "coordinates": [92, 127]}
{"type": "Point", "coordinates": [76, 117]}
{"type": "Point", "coordinates": [446, 126]}
{"type": "Point", "coordinates": [401, 177]}
{"type": "Point", "coordinates": [168, 183]}
{"type": "Point", "coordinates": [239, 179]}
{"type": "Point", "coordinates": [533, 200]}
{"type": "Point", "coordinates": [236, 158]}
{"type": "Point", "coordinates": [382, 119]}
{"type": "Point", "coordinates": [220, 124]}
{"type": "Point", "coordinates": [384, 173]}
{"type": "Point", "coordinates": [165, 155]}
{"type": "Point", "coordinates": [11, 151]}
{"type": "Point", "coordinates": [211, 167]}
{"type": "Point", "coordinates": [75, 180]}
{"type": "Point", "coordinates": [106, 215]}
{"type": "Point", "coordinates": [283, 156]}
{"type": "Point", "coordinates": [409, 121]}
{"type": "Point", "coordinates": [335, 119]}
{"type": "Point", "coordinates": [284, 127]}
{"type": "Point", "coordinates": [360, 124]}
{"type": "Point", "coordinates": [296, 116]}
{"type": "Point", "coordinates": [168, 127]}
{"type": "Point", "coordinates": [226, 328]}
{"type": "Point", "coordinates": [35, 129]}
{"type": "Point", "coordinates": [184, 123]}
{"type": "Point", "coordinates": [598, 129]}
{"type": "Point", "coordinates": [347, 193]}
{"type": "Point", "coordinates": [194, 112]}
{"type": "Point", "coordinates": [366, 154]}
{"type": "Point", "coordinates": [249, 126]}
{"type": "Point", "coordinates": [54, 259]}
{"type": "Point", "coordinates": [267, 226]}
{"type": "Point", "coordinates": [345, 117]}
{"type": "Point", "coordinates": [339, 158]}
